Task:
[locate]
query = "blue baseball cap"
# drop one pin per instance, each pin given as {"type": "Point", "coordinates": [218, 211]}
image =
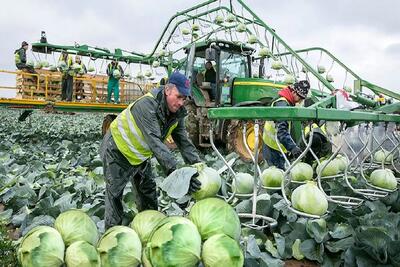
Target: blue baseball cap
{"type": "Point", "coordinates": [181, 82]}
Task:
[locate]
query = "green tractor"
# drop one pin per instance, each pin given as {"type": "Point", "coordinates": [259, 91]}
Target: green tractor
{"type": "Point", "coordinates": [233, 86]}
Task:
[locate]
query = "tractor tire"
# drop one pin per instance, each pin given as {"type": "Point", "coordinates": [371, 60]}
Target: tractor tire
{"type": "Point", "coordinates": [192, 123]}
{"type": "Point", "coordinates": [108, 119]}
{"type": "Point", "coordinates": [235, 140]}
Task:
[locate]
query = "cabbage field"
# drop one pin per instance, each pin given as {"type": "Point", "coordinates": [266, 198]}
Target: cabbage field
{"type": "Point", "coordinates": [52, 209]}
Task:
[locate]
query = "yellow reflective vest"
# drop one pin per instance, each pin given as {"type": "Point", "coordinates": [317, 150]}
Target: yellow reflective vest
{"type": "Point", "coordinates": [129, 138]}
{"type": "Point", "coordinates": [269, 132]}
{"type": "Point", "coordinates": [316, 128]}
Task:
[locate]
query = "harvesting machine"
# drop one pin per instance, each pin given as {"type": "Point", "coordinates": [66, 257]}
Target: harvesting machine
{"type": "Point", "coordinates": [252, 63]}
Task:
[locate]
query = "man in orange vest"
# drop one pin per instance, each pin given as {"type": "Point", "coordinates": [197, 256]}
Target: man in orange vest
{"type": "Point", "coordinates": [288, 97]}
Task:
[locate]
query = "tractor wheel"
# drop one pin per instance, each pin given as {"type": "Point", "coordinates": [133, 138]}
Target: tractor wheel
{"type": "Point", "coordinates": [192, 123]}
{"type": "Point", "coordinates": [108, 119]}
{"type": "Point", "coordinates": [235, 140]}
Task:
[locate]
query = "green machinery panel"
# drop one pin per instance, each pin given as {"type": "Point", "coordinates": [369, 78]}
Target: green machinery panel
{"type": "Point", "coordinates": [254, 89]}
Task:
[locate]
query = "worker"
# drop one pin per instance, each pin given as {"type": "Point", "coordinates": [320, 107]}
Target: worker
{"type": "Point", "coordinates": [288, 97]}
{"type": "Point", "coordinates": [79, 91]}
{"type": "Point", "coordinates": [135, 136]}
{"type": "Point", "coordinates": [65, 64]}
{"type": "Point", "coordinates": [211, 76]}
{"type": "Point", "coordinates": [20, 58]}
{"type": "Point", "coordinates": [113, 80]}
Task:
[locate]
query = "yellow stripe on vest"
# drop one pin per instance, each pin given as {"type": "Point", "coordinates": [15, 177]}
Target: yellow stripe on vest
{"type": "Point", "coordinates": [269, 132]}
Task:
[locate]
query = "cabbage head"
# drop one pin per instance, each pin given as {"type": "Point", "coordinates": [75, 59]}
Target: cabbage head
{"type": "Point", "coordinates": [91, 69]}
{"type": "Point", "coordinates": [264, 52]}
{"type": "Point", "coordinates": [82, 254]}
{"type": "Point", "coordinates": [76, 66]}
{"type": "Point", "coordinates": [309, 199]}
{"type": "Point", "coordinates": [222, 250]}
{"type": "Point", "coordinates": [144, 222]}
{"type": "Point", "coordinates": [120, 247]}
{"type": "Point", "coordinates": [331, 169]}
{"type": "Point", "coordinates": [383, 155]}
{"type": "Point", "coordinates": [76, 225]}
{"type": "Point", "coordinates": [215, 216]}
{"type": "Point", "coordinates": [116, 74]}
{"type": "Point", "coordinates": [42, 246]}
{"type": "Point", "coordinates": [383, 178]}
{"type": "Point", "coordinates": [243, 183]}
{"type": "Point", "coordinates": [210, 182]}
{"type": "Point", "coordinates": [272, 177]}
{"type": "Point", "coordinates": [175, 242]}
{"type": "Point", "coordinates": [302, 172]}
{"type": "Point", "coordinates": [341, 162]}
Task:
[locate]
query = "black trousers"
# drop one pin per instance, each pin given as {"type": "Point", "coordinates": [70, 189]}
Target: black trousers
{"type": "Point", "coordinates": [66, 88]}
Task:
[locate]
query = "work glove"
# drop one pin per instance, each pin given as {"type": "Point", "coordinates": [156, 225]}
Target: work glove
{"type": "Point", "coordinates": [195, 184]}
{"type": "Point", "coordinates": [296, 152]}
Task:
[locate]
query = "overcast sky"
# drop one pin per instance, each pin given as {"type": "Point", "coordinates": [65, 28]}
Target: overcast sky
{"type": "Point", "coordinates": [365, 35]}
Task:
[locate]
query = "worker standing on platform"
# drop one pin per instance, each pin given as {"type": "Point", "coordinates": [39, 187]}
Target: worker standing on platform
{"type": "Point", "coordinates": [114, 72]}
{"type": "Point", "coordinates": [20, 58]}
{"type": "Point", "coordinates": [138, 134]}
{"type": "Point", "coordinates": [65, 65]}
{"type": "Point", "coordinates": [79, 92]}
{"type": "Point", "coordinates": [288, 97]}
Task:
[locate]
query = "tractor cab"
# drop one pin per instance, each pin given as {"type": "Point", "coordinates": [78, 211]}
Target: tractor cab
{"type": "Point", "coordinates": [213, 67]}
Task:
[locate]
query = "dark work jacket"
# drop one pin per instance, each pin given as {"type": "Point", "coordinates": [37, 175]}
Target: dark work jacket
{"type": "Point", "coordinates": [153, 118]}
{"type": "Point", "coordinates": [210, 75]}
{"type": "Point", "coordinates": [22, 54]}
{"type": "Point", "coordinates": [282, 128]}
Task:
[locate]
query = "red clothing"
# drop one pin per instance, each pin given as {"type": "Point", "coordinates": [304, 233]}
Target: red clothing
{"type": "Point", "coordinates": [287, 93]}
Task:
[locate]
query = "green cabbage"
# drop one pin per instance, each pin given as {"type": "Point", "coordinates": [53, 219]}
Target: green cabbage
{"type": "Point", "coordinates": [219, 19]}
{"type": "Point", "coordinates": [276, 65]}
{"type": "Point", "coordinates": [116, 74]}
{"type": "Point", "coordinates": [120, 246]}
{"type": "Point", "coordinates": [195, 27]}
{"type": "Point", "coordinates": [302, 172]}
{"type": "Point", "coordinates": [156, 64]}
{"type": "Point", "coordinates": [42, 246]}
{"type": "Point", "coordinates": [210, 182]}
{"type": "Point", "coordinates": [264, 52]}
{"type": "Point", "coordinates": [76, 225]}
{"type": "Point", "coordinates": [185, 31]}
{"type": "Point", "coordinates": [272, 177]}
{"type": "Point", "coordinates": [241, 27]}
{"type": "Point", "coordinates": [331, 169]}
{"type": "Point", "coordinates": [342, 162]}
{"type": "Point", "coordinates": [383, 155]}
{"type": "Point", "coordinates": [321, 69]}
{"type": "Point", "coordinates": [289, 79]}
{"type": "Point", "coordinates": [243, 183]}
{"type": "Point", "coordinates": [82, 254]}
{"type": "Point", "coordinates": [175, 242]}
{"type": "Point", "coordinates": [329, 78]}
{"type": "Point", "coordinates": [215, 216]}
{"type": "Point", "coordinates": [148, 73]}
{"type": "Point", "coordinates": [144, 222]}
{"type": "Point", "coordinates": [383, 178]}
{"type": "Point", "coordinates": [222, 250]}
{"type": "Point", "coordinates": [309, 199]}
{"type": "Point", "coordinates": [230, 18]}
{"type": "Point", "coordinates": [91, 69]}
{"type": "Point", "coordinates": [252, 39]}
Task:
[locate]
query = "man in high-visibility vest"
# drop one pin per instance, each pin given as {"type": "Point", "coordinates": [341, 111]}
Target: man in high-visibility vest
{"type": "Point", "coordinates": [65, 66]}
{"type": "Point", "coordinates": [114, 72]}
{"type": "Point", "coordinates": [20, 58]}
{"type": "Point", "coordinates": [288, 97]}
{"type": "Point", "coordinates": [138, 134]}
